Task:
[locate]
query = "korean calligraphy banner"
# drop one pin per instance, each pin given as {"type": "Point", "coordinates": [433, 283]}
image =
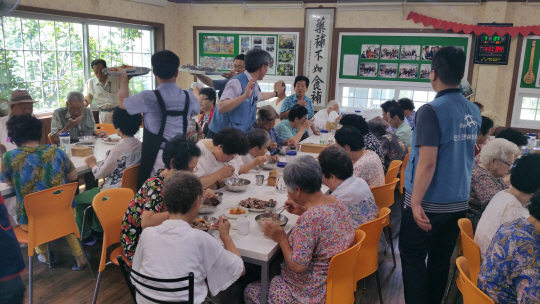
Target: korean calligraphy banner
{"type": "Point", "coordinates": [318, 48]}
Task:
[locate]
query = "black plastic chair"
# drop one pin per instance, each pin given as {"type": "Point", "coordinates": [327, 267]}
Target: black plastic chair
{"type": "Point", "coordinates": [128, 275]}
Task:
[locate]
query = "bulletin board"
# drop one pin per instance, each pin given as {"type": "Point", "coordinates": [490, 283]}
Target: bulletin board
{"type": "Point", "coordinates": [535, 64]}
{"type": "Point", "coordinates": [393, 57]}
{"type": "Point", "coordinates": [218, 49]}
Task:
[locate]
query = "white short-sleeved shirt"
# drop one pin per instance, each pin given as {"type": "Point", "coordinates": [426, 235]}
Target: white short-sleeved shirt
{"type": "Point", "coordinates": [173, 250]}
{"type": "Point", "coordinates": [322, 117]}
{"type": "Point", "coordinates": [246, 159]}
{"type": "Point", "coordinates": [104, 96]}
{"type": "Point", "coordinates": [208, 163]}
{"type": "Point", "coordinates": [503, 208]}
{"type": "Point", "coordinates": [4, 134]}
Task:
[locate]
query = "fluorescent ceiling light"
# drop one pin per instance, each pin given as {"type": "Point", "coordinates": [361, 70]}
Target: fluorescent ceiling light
{"type": "Point", "coordinates": [273, 4]}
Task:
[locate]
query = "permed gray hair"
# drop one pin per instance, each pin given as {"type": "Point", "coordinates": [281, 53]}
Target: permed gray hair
{"type": "Point", "coordinates": [376, 126]}
{"type": "Point", "coordinates": [75, 96]}
{"type": "Point", "coordinates": [267, 113]}
{"type": "Point", "coordinates": [498, 148]}
{"type": "Point", "coordinates": [304, 173]}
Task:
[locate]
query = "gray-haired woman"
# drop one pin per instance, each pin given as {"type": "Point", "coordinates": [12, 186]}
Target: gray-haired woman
{"type": "Point", "coordinates": [393, 147]}
{"type": "Point", "coordinates": [324, 229]}
{"type": "Point", "coordinates": [266, 120]}
{"type": "Point", "coordinates": [496, 160]}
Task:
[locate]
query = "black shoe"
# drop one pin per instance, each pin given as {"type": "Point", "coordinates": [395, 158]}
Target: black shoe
{"type": "Point", "coordinates": [89, 240]}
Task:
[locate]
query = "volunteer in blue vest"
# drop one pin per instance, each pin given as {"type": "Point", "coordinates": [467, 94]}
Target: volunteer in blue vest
{"type": "Point", "coordinates": [438, 179]}
{"type": "Point", "coordinates": [237, 107]}
{"type": "Point", "coordinates": [166, 111]}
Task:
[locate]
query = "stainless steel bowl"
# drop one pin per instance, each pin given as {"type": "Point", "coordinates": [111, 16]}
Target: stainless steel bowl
{"type": "Point", "coordinates": [236, 185]}
{"type": "Point", "coordinates": [282, 218]}
{"type": "Point", "coordinates": [208, 218]}
{"type": "Point", "coordinates": [270, 164]}
{"type": "Point", "coordinates": [209, 207]}
{"type": "Point", "coordinates": [89, 139]}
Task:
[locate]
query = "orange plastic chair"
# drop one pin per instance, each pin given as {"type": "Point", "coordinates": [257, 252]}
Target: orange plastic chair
{"type": "Point", "coordinates": [340, 284]}
{"type": "Point", "coordinates": [110, 206]}
{"type": "Point", "coordinates": [409, 150]}
{"type": "Point", "coordinates": [471, 250]}
{"type": "Point", "coordinates": [368, 257]}
{"type": "Point", "coordinates": [384, 197]}
{"type": "Point", "coordinates": [402, 174]}
{"type": "Point", "coordinates": [109, 128]}
{"type": "Point", "coordinates": [50, 217]}
{"type": "Point", "coordinates": [467, 286]}
{"type": "Point", "coordinates": [129, 178]}
{"type": "Point", "coordinates": [392, 172]}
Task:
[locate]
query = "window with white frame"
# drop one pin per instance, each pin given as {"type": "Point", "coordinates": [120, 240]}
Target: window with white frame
{"type": "Point", "coordinates": [48, 57]}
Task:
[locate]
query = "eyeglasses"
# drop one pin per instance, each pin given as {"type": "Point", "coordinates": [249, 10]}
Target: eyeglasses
{"type": "Point", "coordinates": [506, 163]}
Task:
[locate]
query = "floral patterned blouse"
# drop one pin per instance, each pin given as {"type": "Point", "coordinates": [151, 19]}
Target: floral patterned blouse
{"type": "Point", "coordinates": [148, 198]}
{"type": "Point", "coordinates": [370, 169]}
{"type": "Point", "coordinates": [510, 272]}
{"type": "Point", "coordinates": [320, 233]}
{"type": "Point", "coordinates": [484, 186]}
{"type": "Point", "coordinates": [372, 143]}
{"type": "Point", "coordinates": [393, 148]}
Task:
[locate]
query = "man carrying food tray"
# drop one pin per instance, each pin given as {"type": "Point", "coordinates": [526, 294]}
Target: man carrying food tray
{"type": "Point", "coordinates": [167, 110]}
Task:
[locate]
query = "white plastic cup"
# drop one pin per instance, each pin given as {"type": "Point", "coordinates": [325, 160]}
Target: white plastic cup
{"type": "Point", "coordinates": [242, 226]}
{"type": "Point", "coordinates": [324, 137]}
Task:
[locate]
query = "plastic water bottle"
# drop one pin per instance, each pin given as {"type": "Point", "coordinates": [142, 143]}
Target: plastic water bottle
{"type": "Point", "coordinates": [324, 137]}
{"type": "Point", "coordinates": [280, 183]}
{"type": "Point", "coordinates": [65, 142]}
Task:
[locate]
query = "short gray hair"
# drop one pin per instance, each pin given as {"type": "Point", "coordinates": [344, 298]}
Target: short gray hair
{"type": "Point", "coordinates": [75, 96]}
{"type": "Point", "coordinates": [331, 104]}
{"type": "Point", "coordinates": [376, 126]}
{"type": "Point", "coordinates": [267, 113]}
{"type": "Point", "coordinates": [258, 138]}
{"type": "Point", "coordinates": [304, 173]}
{"type": "Point", "coordinates": [498, 148]}
{"type": "Point", "coordinates": [256, 58]}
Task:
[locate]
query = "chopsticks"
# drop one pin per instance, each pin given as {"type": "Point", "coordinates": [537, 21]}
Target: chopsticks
{"type": "Point", "coordinates": [234, 172]}
{"type": "Point", "coordinates": [281, 209]}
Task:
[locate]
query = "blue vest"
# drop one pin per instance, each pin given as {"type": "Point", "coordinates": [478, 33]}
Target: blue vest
{"type": "Point", "coordinates": [459, 123]}
{"type": "Point", "coordinates": [241, 116]}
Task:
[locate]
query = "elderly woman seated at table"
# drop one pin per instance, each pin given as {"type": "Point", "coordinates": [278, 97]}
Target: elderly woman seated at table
{"type": "Point", "coordinates": [393, 148]}
{"type": "Point", "coordinates": [75, 118]}
{"type": "Point", "coordinates": [258, 151]}
{"type": "Point", "coordinates": [219, 156]}
{"type": "Point", "coordinates": [266, 120]}
{"type": "Point", "coordinates": [324, 229]}
{"type": "Point", "coordinates": [126, 154]}
{"type": "Point", "coordinates": [174, 249]}
{"type": "Point", "coordinates": [354, 192]}
{"type": "Point", "coordinates": [510, 272]}
{"type": "Point", "coordinates": [508, 205]}
{"type": "Point", "coordinates": [32, 168]}
{"type": "Point", "coordinates": [294, 128]}
{"type": "Point", "coordinates": [147, 208]}
{"type": "Point", "coordinates": [487, 176]}
{"type": "Point", "coordinates": [330, 114]}
{"type": "Point", "coordinates": [370, 141]}
{"type": "Point", "coordinates": [366, 163]}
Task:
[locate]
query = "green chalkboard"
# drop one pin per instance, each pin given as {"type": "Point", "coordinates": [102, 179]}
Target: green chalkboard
{"type": "Point", "coordinates": [526, 61]}
{"type": "Point", "coordinates": [411, 46]}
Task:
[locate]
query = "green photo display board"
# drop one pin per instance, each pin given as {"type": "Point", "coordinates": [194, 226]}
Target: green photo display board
{"type": "Point", "coordinates": [397, 56]}
{"type": "Point", "coordinates": [219, 49]}
{"type": "Point", "coordinates": [527, 60]}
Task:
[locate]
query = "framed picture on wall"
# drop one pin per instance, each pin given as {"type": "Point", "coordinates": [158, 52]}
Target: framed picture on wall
{"type": "Point", "coordinates": [245, 44]}
{"type": "Point", "coordinates": [425, 70]}
{"type": "Point", "coordinates": [429, 50]}
{"type": "Point", "coordinates": [388, 70]}
{"type": "Point", "coordinates": [370, 51]}
{"type": "Point", "coordinates": [368, 69]}
{"type": "Point", "coordinates": [408, 71]}
{"type": "Point", "coordinates": [410, 52]}
{"type": "Point", "coordinates": [390, 52]}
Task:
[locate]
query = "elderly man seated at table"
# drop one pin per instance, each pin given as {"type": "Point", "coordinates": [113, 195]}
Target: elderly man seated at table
{"type": "Point", "coordinates": [510, 272]}
{"type": "Point", "coordinates": [393, 147]}
{"type": "Point", "coordinates": [266, 120]}
{"type": "Point", "coordinates": [330, 114]}
{"type": "Point", "coordinates": [174, 249]}
{"type": "Point", "coordinates": [32, 168]}
{"type": "Point", "coordinates": [487, 175]}
{"type": "Point", "coordinates": [370, 141]}
{"type": "Point", "coordinates": [258, 150]}
{"type": "Point", "coordinates": [509, 205]}
{"type": "Point", "coordinates": [408, 109]}
{"type": "Point", "coordinates": [75, 118]}
{"type": "Point", "coordinates": [324, 229]}
{"type": "Point", "coordinates": [365, 162]}
{"type": "Point", "coordinates": [147, 208]}
{"type": "Point", "coordinates": [219, 156]}
{"type": "Point", "coordinates": [396, 119]}
{"type": "Point", "coordinates": [294, 127]}
{"type": "Point", "coordinates": [126, 154]}
{"type": "Point", "coordinates": [354, 192]}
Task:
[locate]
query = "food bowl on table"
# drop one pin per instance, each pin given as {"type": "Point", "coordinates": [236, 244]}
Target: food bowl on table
{"type": "Point", "coordinates": [204, 222]}
{"type": "Point", "coordinates": [89, 139]}
{"type": "Point", "coordinates": [236, 184]}
{"type": "Point", "coordinates": [235, 212]}
{"type": "Point", "coordinates": [270, 164]}
{"type": "Point", "coordinates": [209, 205]}
{"type": "Point", "coordinates": [280, 219]}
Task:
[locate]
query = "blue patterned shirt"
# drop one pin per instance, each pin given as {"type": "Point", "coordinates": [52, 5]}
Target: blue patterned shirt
{"type": "Point", "coordinates": [412, 119]}
{"type": "Point", "coordinates": [291, 100]}
{"type": "Point", "coordinates": [510, 272]}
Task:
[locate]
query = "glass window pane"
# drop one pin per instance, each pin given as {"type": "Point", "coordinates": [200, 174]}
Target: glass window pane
{"type": "Point", "coordinates": [116, 39]}
{"type": "Point", "coordinates": [50, 97]}
{"type": "Point", "coordinates": [77, 65]}
{"type": "Point", "coordinates": [375, 93]}
{"type": "Point", "coordinates": [127, 58]}
{"type": "Point", "coordinates": [364, 92]}
{"type": "Point", "coordinates": [49, 65]}
{"type": "Point", "coordinates": [147, 83]}
{"type": "Point", "coordinates": [33, 66]}
{"type": "Point", "coordinates": [116, 60]}
{"type": "Point", "coordinates": [93, 33]}
{"type": "Point", "coordinates": [345, 101]}
{"type": "Point", "coordinates": [388, 94]}
{"type": "Point", "coordinates": [62, 36]}
{"type": "Point", "coordinates": [106, 57]}
{"type": "Point", "coordinates": [128, 39]}
{"type": "Point", "coordinates": [105, 38]}
{"type": "Point", "coordinates": [3, 70]}
{"type": "Point", "coordinates": [138, 61]}
{"type": "Point", "coordinates": [76, 36]}
{"type": "Point", "coordinates": [529, 103]}
{"type": "Point", "coordinates": [527, 114]}
{"type": "Point", "coordinates": [421, 96]}
{"type": "Point", "coordinates": [34, 88]}
{"type": "Point", "coordinates": [4, 92]}
{"type": "Point", "coordinates": [30, 30]}
{"type": "Point", "coordinates": [15, 66]}
{"type": "Point", "coordinates": [137, 42]}
{"type": "Point", "coordinates": [406, 94]}
{"type": "Point", "coordinates": [431, 96]}
{"type": "Point", "coordinates": [148, 63]}
{"type": "Point", "coordinates": [64, 63]}
{"type": "Point", "coordinates": [12, 31]}
{"type": "Point", "coordinates": [147, 42]}
{"type": "Point", "coordinates": [345, 91]}
{"type": "Point", "coordinates": [357, 92]}
{"type": "Point", "coordinates": [46, 35]}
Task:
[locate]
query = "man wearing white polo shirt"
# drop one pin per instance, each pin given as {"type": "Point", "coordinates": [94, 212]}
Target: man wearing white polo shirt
{"type": "Point", "coordinates": [103, 90]}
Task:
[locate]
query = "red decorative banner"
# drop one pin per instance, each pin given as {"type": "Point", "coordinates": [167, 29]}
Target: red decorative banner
{"type": "Point", "coordinates": [471, 28]}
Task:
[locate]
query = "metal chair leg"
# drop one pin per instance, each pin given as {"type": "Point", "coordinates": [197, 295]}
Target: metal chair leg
{"type": "Point", "coordinates": [97, 288]}
{"type": "Point", "coordinates": [87, 261]}
{"type": "Point", "coordinates": [364, 280]}
{"type": "Point", "coordinates": [83, 220]}
{"type": "Point", "coordinates": [30, 281]}
{"type": "Point", "coordinates": [379, 286]}
{"type": "Point", "coordinates": [49, 255]}
{"type": "Point", "coordinates": [449, 286]}
{"type": "Point", "coordinates": [392, 245]}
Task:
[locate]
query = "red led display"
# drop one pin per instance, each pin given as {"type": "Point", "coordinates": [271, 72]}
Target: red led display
{"type": "Point", "coordinates": [492, 49]}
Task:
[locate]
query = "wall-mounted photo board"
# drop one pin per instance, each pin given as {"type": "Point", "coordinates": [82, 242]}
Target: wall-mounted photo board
{"type": "Point", "coordinates": [218, 49]}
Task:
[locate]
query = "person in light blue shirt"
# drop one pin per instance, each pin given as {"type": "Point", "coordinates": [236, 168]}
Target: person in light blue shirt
{"type": "Point", "coordinates": [295, 126]}
{"type": "Point", "coordinates": [301, 84]}
{"type": "Point", "coordinates": [396, 119]}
